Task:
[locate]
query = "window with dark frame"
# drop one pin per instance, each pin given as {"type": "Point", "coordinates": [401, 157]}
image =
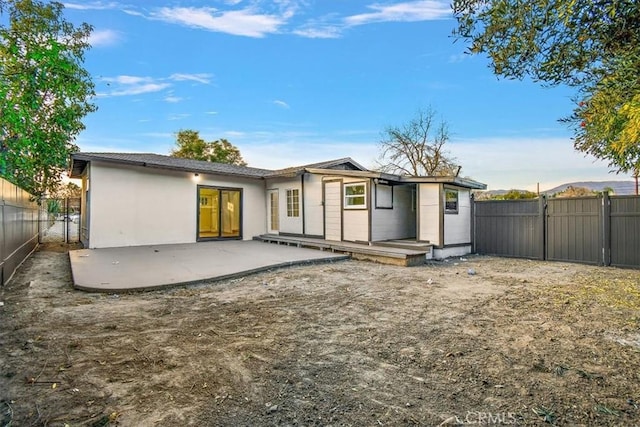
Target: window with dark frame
{"type": "Point", "coordinates": [384, 196]}
{"type": "Point", "coordinates": [450, 201]}
{"type": "Point", "coordinates": [293, 202]}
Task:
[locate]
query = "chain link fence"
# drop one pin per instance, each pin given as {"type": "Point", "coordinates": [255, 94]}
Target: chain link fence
{"type": "Point", "coordinates": [59, 221]}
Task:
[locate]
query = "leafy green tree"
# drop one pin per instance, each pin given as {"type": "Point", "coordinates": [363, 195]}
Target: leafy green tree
{"type": "Point", "coordinates": [417, 147]}
{"type": "Point", "coordinates": [189, 145]}
{"type": "Point", "coordinates": [592, 45]}
{"type": "Point", "coordinates": [517, 195]}
{"type": "Point", "coordinates": [44, 92]}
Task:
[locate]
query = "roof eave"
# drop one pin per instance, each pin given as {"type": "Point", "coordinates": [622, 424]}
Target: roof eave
{"type": "Point", "coordinates": [339, 172]}
{"type": "Point", "coordinates": [79, 156]}
{"type": "Point", "coordinates": [453, 180]}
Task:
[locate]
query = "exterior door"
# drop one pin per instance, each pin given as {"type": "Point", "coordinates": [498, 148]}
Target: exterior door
{"type": "Point", "coordinates": [273, 210]}
{"type": "Point", "coordinates": [219, 213]}
{"type": "Point", "coordinates": [333, 210]}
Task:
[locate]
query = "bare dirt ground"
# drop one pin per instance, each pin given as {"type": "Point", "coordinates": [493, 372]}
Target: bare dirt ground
{"type": "Point", "coordinates": [345, 344]}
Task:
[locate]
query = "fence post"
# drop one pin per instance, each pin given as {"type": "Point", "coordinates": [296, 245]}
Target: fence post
{"type": "Point", "coordinates": [473, 223]}
{"type": "Point", "coordinates": [606, 229]}
{"type": "Point", "coordinates": [542, 222]}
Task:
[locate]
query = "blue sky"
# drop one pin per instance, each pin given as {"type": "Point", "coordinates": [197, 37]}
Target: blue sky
{"type": "Point", "coordinates": [291, 82]}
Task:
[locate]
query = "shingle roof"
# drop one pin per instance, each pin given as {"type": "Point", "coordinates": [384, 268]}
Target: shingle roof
{"type": "Point", "coordinates": [79, 161]}
{"type": "Point", "coordinates": [329, 164]}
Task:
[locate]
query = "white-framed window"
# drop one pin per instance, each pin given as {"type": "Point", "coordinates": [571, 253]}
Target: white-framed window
{"type": "Point", "coordinates": [355, 195]}
{"type": "Point", "coordinates": [450, 201]}
{"type": "Point", "coordinates": [293, 202]}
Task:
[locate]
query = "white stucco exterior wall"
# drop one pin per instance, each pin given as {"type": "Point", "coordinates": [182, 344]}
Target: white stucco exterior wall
{"type": "Point", "coordinates": [288, 224]}
{"type": "Point", "coordinates": [132, 205]}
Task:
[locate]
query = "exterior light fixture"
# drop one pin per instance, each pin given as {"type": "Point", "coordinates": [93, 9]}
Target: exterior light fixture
{"type": "Point", "coordinates": [196, 177]}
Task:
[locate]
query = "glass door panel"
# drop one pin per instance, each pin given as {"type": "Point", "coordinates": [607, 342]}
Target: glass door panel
{"type": "Point", "coordinates": [230, 213]}
{"type": "Point", "coordinates": [219, 213]}
{"type": "Point", "coordinates": [274, 216]}
{"type": "Point", "coordinates": [209, 223]}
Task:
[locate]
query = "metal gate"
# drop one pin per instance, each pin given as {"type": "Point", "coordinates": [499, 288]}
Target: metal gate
{"type": "Point", "coordinates": [603, 230]}
{"type": "Point", "coordinates": [59, 221]}
{"type": "Point", "coordinates": [625, 231]}
{"type": "Point", "coordinates": [575, 230]}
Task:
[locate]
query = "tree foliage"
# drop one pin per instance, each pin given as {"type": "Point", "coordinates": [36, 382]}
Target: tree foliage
{"type": "Point", "coordinates": [67, 190]}
{"type": "Point", "coordinates": [572, 191]}
{"type": "Point", "coordinates": [44, 92]}
{"type": "Point", "coordinates": [592, 45]}
{"type": "Point", "coordinates": [509, 195]}
{"type": "Point", "coordinates": [417, 147]}
{"type": "Point", "coordinates": [189, 145]}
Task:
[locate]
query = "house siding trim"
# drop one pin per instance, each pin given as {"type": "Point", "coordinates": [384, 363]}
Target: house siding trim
{"type": "Point", "coordinates": [302, 199]}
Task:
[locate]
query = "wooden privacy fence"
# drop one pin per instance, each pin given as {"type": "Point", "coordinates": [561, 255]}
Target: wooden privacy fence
{"type": "Point", "coordinates": [602, 230]}
{"type": "Point", "coordinates": [18, 228]}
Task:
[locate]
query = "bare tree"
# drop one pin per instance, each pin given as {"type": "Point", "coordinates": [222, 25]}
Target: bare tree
{"type": "Point", "coordinates": [417, 148]}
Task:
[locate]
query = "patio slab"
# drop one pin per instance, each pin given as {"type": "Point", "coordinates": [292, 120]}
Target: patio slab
{"type": "Point", "coordinates": [151, 267]}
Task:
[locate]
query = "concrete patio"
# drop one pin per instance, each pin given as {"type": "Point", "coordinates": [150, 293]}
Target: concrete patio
{"type": "Point", "coordinates": [151, 267]}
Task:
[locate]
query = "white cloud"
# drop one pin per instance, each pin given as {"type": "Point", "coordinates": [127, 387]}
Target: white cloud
{"type": "Point", "coordinates": [203, 78]}
{"type": "Point", "coordinates": [282, 104]}
{"type": "Point", "coordinates": [412, 11]}
{"type": "Point", "coordinates": [332, 26]}
{"type": "Point", "coordinates": [133, 12]}
{"type": "Point", "coordinates": [140, 89]}
{"type": "Point", "coordinates": [95, 5]}
{"type": "Point", "coordinates": [103, 38]}
{"type": "Point", "coordinates": [237, 22]}
{"type": "Point", "coordinates": [132, 85]}
{"type": "Point", "coordinates": [319, 32]}
{"type": "Point", "coordinates": [178, 116]}
{"type": "Point", "coordinates": [127, 80]}
{"type": "Point", "coordinates": [136, 85]}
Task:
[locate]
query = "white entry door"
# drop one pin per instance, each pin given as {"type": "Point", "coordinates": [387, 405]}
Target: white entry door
{"type": "Point", "coordinates": [333, 210]}
{"type": "Point", "coordinates": [273, 211]}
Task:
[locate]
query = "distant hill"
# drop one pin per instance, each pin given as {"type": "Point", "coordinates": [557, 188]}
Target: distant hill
{"type": "Point", "coordinates": [620, 188]}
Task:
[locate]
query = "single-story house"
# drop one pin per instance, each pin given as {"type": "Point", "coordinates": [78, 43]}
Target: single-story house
{"type": "Point", "coordinates": [131, 199]}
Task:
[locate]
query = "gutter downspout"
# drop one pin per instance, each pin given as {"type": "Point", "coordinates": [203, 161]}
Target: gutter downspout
{"type": "Point", "coordinates": [302, 202]}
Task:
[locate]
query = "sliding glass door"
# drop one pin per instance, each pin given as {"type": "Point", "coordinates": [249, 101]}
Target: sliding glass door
{"type": "Point", "coordinates": [219, 213]}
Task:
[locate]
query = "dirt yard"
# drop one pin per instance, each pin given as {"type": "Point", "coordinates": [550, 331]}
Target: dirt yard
{"type": "Point", "coordinates": [472, 341]}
